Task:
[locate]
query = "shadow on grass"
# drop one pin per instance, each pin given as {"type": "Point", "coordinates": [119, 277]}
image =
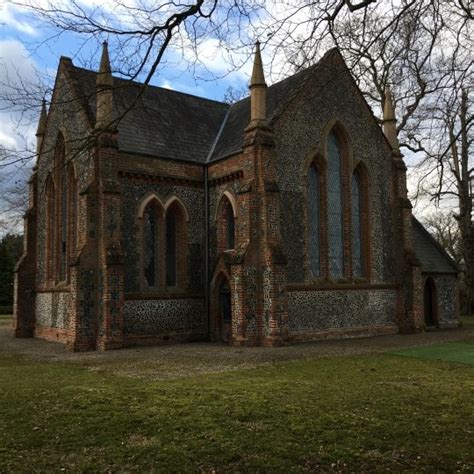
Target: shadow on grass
{"type": "Point", "coordinates": [461, 352]}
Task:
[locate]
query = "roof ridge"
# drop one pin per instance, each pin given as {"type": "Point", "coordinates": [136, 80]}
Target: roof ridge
{"type": "Point", "coordinates": [131, 82]}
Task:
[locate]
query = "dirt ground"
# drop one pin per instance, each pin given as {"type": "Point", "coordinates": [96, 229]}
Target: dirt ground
{"type": "Point", "coordinates": [171, 361]}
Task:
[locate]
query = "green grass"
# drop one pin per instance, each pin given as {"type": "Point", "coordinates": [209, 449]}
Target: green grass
{"type": "Point", "coordinates": [462, 352]}
{"type": "Point", "coordinates": [359, 413]}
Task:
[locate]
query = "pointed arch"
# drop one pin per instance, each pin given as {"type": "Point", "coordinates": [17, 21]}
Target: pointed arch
{"type": "Point", "coordinates": [225, 220]}
{"type": "Point", "coordinates": [174, 200]}
{"type": "Point", "coordinates": [150, 198]}
{"type": "Point", "coordinates": [360, 227]}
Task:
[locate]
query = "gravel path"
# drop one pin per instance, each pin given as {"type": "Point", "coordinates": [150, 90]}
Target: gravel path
{"type": "Point", "coordinates": [171, 361]}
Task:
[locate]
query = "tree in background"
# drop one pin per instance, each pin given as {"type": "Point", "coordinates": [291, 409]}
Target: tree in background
{"type": "Point", "coordinates": [11, 247]}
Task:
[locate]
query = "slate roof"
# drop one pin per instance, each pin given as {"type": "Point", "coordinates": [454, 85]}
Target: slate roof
{"type": "Point", "coordinates": [278, 94]}
{"type": "Point", "coordinates": [170, 124]}
{"type": "Point", "coordinates": [163, 123]}
{"type": "Point", "coordinates": [432, 256]}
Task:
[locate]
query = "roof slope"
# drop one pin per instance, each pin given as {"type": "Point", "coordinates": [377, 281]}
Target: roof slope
{"type": "Point", "coordinates": [163, 122]}
{"type": "Point", "coordinates": [432, 256]}
{"type": "Point", "coordinates": [230, 140]}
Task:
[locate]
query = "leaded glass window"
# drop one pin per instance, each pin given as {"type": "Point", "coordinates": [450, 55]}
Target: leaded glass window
{"type": "Point", "coordinates": [72, 201]}
{"type": "Point", "coordinates": [313, 222]}
{"type": "Point", "coordinates": [171, 233]}
{"type": "Point", "coordinates": [230, 227]}
{"type": "Point", "coordinates": [335, 208]}
{"type": "Point", "coordinates": [50, 218]}
{"type": "Point", "coordinates": [63, 231]}
{"type": "Point", "coordinates": [356, 227]}
{"type": "Point", "coordinates": [149, 246]}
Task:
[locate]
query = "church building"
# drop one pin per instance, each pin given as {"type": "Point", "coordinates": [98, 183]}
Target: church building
{"type": "Point", "coordinates": [157, 216]}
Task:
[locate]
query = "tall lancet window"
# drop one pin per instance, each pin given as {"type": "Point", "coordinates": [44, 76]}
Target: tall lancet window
{"type": "Point", "coordinates": [314, 241]}
{"type": "Point", "coordinates": [150, 246]}
{"type": "Point", "coordinates": [50, 228]}
{"type": "Point", "coordinates": [171, 242]}
{"type": "Point", "coordinates": [62, 208]}
{"type": "Point", "coordinates": [357, 268]}
{"type": "Point", "coordinates": [335, 206]}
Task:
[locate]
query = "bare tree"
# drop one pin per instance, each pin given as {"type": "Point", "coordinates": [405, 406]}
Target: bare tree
{"type": "Point", "coordinates": [444, 227]}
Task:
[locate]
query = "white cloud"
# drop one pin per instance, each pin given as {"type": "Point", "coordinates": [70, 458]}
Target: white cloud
{"type": "Point", "coordinates": [10, 15]}
{"type": "Point", "coordinates": [17, 70]}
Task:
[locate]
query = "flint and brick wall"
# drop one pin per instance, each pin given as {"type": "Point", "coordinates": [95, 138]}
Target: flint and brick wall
{"type": "Point", "coordinates": [333, 99]}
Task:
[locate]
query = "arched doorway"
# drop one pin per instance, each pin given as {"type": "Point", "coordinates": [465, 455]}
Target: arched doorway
{"type": "Point", "coordinates": [429, 303]}
{"type": "Point", "coordinates": [224, 324]}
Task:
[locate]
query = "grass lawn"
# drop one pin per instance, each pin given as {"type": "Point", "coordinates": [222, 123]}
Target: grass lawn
{"type": "Point", "coordinates": [340, 413]}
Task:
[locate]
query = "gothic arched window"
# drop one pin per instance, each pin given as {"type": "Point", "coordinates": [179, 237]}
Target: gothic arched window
{"type": "Point", "coordinates": [335, 206]}
{"type": "Point", "coordinates": [61, 210]}
{"type": "Point", "coordinates": [314, 217]}
{"type": "Point", "coordinates": [164, 244]}
{"type": "Point", "coordinates": [225, 225]}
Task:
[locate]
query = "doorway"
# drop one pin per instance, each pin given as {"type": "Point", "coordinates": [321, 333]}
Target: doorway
{"type": "Point", "coordinates": [429, 303]}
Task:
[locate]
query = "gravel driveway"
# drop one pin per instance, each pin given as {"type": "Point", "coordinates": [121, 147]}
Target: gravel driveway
{"type": "Point", "coordinates": [170, 361]}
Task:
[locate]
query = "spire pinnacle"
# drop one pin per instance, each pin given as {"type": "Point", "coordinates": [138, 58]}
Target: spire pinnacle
{"type": "Point", "coordinates": [388, 109]}
{"type": "Point", "coordinates": [258, 78]}
{"type": "Point", "coordinates": [42, 120]}
{"type": "Point", "coordinates": [258, 92]}
{"type": "Point", "coordinates": [104, 77]}
{"type": "Point", "coordinates": [104, 97]}
{"type": "Point", "coordinates": [390, 120]}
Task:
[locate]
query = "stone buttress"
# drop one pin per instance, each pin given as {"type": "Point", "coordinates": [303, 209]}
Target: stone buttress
{"type": "Point", "coordinates": [262, 289]}
{"type": "Point", "coordinates": [97, 276]}
{"type": "Point", "coordinates": [410, 308]}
